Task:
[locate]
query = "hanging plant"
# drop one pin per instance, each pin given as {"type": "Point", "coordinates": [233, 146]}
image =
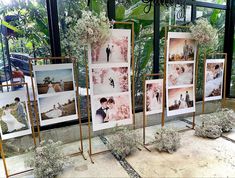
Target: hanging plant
{"type": "Point", "coordinates": [205, 34]}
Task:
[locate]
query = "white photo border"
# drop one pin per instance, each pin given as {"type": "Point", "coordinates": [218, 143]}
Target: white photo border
{"type": "Point", "coordinates": [55, 67]}
{"type": "Point", "coordinates": [214, 61]}
{"type": "Point", "coordinates": [180, 35]}
{"type": "Point", "coordinates": [22, 94]}
{"type": "Point", "coordinates": [153, 81]}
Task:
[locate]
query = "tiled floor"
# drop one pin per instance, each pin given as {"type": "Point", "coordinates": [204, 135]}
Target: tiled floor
{"type": "Point", "coordinates": [197, 157]}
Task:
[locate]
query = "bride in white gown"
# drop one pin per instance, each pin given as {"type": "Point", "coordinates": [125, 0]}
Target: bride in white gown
{"type": "Point", "coordinates": [212, 84]}
{"type": "Point", "coordinates": [111, 114]}
{"type": "Point", "coordinates": [10, 120]}
{"type": "Point", "coordinates": [183, 103]}
{"type": "Point", "coordinates": [54, 113]}
{"type": "Point", "coordinates": [50, 88]}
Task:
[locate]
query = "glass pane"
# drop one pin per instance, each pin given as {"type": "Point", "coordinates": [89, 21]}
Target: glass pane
{"type": "Point", "coordinates": [73, 10]}
{"type": "Point", "coordinates": [217, 19]}
{"type": "Point", "coordinates": [232, 85]}
{"type": "Point", "coordinates": [215, 1]}
{"type": "Point", "coordinates": [143, 52]}
{"type": "Point", "coordinates": [24, 34]}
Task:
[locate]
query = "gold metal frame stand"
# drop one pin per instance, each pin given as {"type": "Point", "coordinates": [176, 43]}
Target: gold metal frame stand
{"type": "Point", "coordinates": [90, 152]}
{"type": "Point", "coordinates": [196, 67]}
{"type": "Point", "coordinates": [144, 106]}
{"type": "Point", "coordinates": [66, 60]}
{"type": "Point", "coordinates": [32, 128]}
{"type": "Point", "coordinates": [223, 101]}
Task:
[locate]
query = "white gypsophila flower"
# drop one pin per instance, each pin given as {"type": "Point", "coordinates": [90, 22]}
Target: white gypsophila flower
{"type": "Point", "coordinates": [204, 33]}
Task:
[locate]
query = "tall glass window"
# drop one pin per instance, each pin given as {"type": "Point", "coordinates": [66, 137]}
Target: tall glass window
{"type": "Point", "coordinates": [143, 52]}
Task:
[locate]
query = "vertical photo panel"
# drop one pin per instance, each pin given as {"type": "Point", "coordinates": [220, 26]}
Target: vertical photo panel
{"type": "Point", "coordinates": [153, 96]}
{"type": "Point", "coordinates": [214, 75]}
{"type": "Point", "coordinates": [14, 115]}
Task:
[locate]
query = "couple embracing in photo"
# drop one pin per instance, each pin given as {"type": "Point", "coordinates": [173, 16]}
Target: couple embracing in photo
{"type": "Point", "coordinates": [107, 111]}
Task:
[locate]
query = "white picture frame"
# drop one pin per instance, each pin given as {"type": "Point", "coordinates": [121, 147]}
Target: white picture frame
{"type": "Point", "coordinates": [181, 51]}
{"type": "Point", "coordinates": [117, 61]}
{"type": "Point", "coordinates": [214, 79]}
{"type": "Point", "coordinates": [56, 107]}
{"type": "Point", "coordinates": [9, 118]}
{"type": "Point", "coordinates": [153, 96]}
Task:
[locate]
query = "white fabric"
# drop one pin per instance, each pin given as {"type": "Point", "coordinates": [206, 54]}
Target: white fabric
{"type": "Point", "coordinates": [11, 121]}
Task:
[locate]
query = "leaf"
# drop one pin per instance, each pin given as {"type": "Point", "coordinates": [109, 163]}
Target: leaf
{"type": "Point", "coordinates": [147, 51]}
{"type": "Point", "coordinates": [15, 29]}
{"type": "Point", "coordinates": [97, 6]}
{"type": "Point", "coordinates": [120, 12]}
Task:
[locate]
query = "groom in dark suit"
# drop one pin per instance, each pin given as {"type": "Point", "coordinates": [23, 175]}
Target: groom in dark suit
{"type": "Point", "coordinates": [101, 112]}
{"type": "Point", "coordinates": [108, 51]}
{"type": "Point", "coordinates": [20, 109]}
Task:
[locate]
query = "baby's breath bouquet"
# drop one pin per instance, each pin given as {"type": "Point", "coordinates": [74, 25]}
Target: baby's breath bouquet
{"type": "Point", "coordinates": [123, 142]}
{"type": "Point", "coordinates": [91, 28]}
{"type": "Point", "coordinates": [167, 139]}
{"type": "Point", "coordinates": [205, 34]}
{"type": "Point", "coordinates": [47, 160]}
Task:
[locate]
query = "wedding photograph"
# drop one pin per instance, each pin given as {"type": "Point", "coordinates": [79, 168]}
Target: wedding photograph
{"type": "Point", "coordinates": [153, 96]}
{"type": "Point", "coordinates": [112, 110]}
{"type": "Point", "coordinates": [181, 47]}
{"type": "Point", "coordinates": [58, 108]}
{"type": "Point", "coordinates": [14, 118]}
{"type": "Point", "coordinates": [180, 74]}
{"type": "Point", "coordinates": [58, 79]}
{"type": "Point", "coordinates": [214, 75]}
{"type": "Point", "coordinates": [110, 80]}
{"type": "Point", "coordinates": [180, 100]}
{"type": "Point", "coordinates": [115, 50]}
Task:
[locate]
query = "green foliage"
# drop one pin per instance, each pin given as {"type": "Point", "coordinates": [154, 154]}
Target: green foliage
{"type": "Point", "coordinates": [31, 27]}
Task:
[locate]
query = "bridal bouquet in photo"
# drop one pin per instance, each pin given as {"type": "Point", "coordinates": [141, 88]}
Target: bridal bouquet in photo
{"type": "Point", "coordinates": [204, 33]}
{"type": "Point", "coordinates": [91, 28]}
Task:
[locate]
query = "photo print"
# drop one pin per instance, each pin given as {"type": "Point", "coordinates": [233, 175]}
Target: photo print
{"type": "Point", "coordinates": [110, 80]}
{"type": "Point", "coordinates": [153, 96]}
{"type": "Point", "coordinates": [109, 111]}
{"type": "Point", "coordinates": [115, 50]}
{"type": "Point", "coordinates": [180, 101]}
{"type": "Point", "coordinates": [214, 75]}
{"type": "Point", "coordinates": [54, 78]}
{"type": "Point", "coordinates": [14, 115]}
{"type": "Point", "coordinates": [58, 108]}
{"type": "Point", "coordinates": [181, 47]}
{"type": "Point", "coordinates": [180, 74]}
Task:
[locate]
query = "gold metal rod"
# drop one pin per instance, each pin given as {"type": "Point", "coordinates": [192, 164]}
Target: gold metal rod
{"type": "Point", "coordinates": [34, 99]}
{"type": "Point", "coordinates": [144, 108]}
{"type": "Point", "coordinates": [76, 72]}
{"type": "Point", "coordinates": [204, 84]}
{"type": "Point", "coordinates": [88, 103]}
{"type": "Point", "coordinates": [3, 158]}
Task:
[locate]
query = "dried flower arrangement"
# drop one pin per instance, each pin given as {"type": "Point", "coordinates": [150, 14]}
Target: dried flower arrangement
{"type": "Point", "coordinates": [47, 160]}
{"type": "Point", "coordinates": [214, 124]}
{"type": "Point", "coordinates": [204, 33]}
{"type": "Point", "coordinates": [167, 139]}
{"type": "Point", "coordinates": [91, 28]}
{"type": "Point", "coordinates": [123, 142]}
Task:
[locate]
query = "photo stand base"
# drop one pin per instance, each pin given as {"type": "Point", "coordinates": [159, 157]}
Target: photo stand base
{"type": "Point", "coordinates": [62, 60]}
